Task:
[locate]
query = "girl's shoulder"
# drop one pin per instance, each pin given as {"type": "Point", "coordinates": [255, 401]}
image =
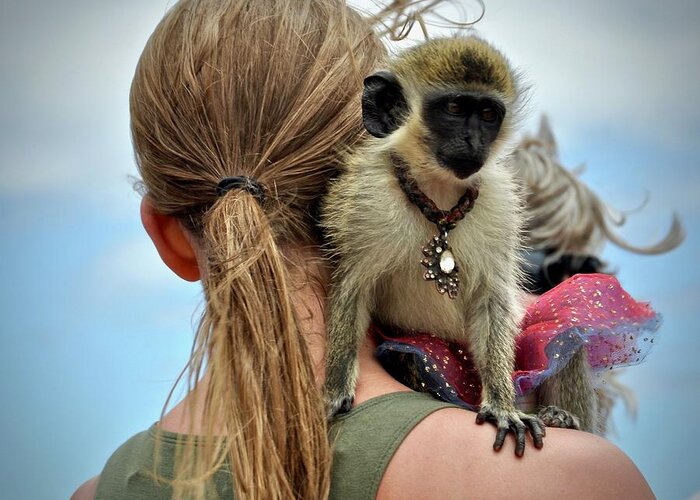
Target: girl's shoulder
{"type": "Point", "coordinates": [447, 455]}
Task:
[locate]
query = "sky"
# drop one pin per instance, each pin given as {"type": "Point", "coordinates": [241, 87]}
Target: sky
{"type": "Point", "coordinates": [96, 329]}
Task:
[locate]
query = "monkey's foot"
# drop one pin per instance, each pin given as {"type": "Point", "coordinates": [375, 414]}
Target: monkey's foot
{"type": "Point", "coordinates": [512, 420]}
{"type": "Point", "coordinates": [553, 416]}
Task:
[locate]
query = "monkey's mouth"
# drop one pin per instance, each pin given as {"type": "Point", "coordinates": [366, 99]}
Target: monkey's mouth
{"type": "Point", "coordinates": [461, 166]}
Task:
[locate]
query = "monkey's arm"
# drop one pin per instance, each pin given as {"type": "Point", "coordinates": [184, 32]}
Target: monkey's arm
{"type": "Point", "coordinates": [492, 336]}
{"type": "Point", "coordinates": [348, 321]}
{"type": "Point", "coordinates": [360, 230]}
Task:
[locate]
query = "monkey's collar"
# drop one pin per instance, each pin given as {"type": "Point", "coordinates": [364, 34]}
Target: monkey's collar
{"type": "Point", "coordinates": [439, 261]}
{"type": "Point", "coordinates": [444, 219]}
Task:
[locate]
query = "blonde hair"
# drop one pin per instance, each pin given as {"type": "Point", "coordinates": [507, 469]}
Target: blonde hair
{"type": "Point", "coordinates": [563, 212]}
{"type": "Point", "coordinates": [268, 89]}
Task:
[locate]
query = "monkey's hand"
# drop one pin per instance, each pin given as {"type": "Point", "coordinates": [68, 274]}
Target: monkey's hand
{"type": "Point", "coordinates": [338, 404]}
{"type": "Point", "coordinates": [553, 416]}
{"type": "Point", "coordinates": [512, 420]}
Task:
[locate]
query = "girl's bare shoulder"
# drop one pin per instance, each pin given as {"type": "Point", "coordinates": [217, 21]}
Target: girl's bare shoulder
{"type": "Point", "coordinates": [448, 455]}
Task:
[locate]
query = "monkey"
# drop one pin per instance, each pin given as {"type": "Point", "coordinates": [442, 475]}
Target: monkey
{"type": "Point", "coordinates": [441, 117]}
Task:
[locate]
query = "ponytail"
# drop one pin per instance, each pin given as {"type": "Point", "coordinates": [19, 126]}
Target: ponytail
{"type": "Point", "coordinates": [260, 387]}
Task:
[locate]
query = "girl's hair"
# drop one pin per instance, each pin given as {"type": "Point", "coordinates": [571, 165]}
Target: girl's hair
{"type": "Point", "coordinates": [268, 89]}
{"type": "Point", "coordinates": [563, 212]}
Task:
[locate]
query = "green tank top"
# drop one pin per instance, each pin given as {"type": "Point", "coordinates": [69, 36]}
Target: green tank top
{"type": "Point", "coordinates": [364, 441]}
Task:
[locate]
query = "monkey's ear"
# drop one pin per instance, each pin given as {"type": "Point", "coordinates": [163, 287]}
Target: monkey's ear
{"type": "Point", "coordinates": [383, 104]}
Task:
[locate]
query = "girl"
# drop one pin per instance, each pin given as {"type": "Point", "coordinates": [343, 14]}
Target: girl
{"type": "Point", "coordinates": [240, 112]}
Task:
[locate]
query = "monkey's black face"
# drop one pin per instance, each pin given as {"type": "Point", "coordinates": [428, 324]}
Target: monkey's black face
{"type": "Point", "coordinates": [463, 126]}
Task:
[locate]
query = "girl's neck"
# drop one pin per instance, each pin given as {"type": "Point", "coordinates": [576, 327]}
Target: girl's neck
{"type": "Point", "coordinates": [309, 300]}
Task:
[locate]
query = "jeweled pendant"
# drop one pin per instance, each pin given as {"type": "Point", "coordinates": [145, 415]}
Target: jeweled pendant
{"type": "Point", "coordinates": [441, 266]}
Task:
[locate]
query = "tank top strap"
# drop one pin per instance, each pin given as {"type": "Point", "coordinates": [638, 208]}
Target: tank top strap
{"type": "Point", "coordinates": [366, 438]}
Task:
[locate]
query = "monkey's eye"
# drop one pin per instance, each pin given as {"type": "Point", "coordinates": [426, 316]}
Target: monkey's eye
{"type": "Point", "coordinates": [488, 114]}
{"type": "Point", "coordinates": [454, 108]}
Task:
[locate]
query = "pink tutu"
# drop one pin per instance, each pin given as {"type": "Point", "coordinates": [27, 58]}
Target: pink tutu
{"type": "Point", "coordinates": [590, 310]}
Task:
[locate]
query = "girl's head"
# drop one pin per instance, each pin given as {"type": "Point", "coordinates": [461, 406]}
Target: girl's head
{"type": "Point", "coordinates": [267, 89]}
{"type": "Point", "coordinates": [567, 222]}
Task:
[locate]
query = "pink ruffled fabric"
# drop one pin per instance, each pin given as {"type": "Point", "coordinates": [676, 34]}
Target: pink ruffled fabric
{"type": "Point", "coordinates": [591, 310]}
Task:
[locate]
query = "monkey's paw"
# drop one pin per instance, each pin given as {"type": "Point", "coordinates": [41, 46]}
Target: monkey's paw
{"type": "Point", "coordinates": [553, 416]}
{"type": "Point", "coordinates": [512, 420]}
{"type": "Point", "coordinates": [338, 405]}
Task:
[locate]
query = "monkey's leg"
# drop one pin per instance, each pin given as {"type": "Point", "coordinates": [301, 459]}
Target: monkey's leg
{"type": "Point", "coordinates": [492, 340]}
{"type": "Point", "coordinates": [569, 398]}
{"type": "Point", "coordinates": [348, 320]}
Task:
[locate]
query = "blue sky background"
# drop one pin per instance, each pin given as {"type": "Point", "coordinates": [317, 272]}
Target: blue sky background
{"type": "Point", "coordinates": [95, 329]}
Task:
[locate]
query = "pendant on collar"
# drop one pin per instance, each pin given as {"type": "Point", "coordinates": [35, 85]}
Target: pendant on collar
{"type": "Point", "coordinates": [441, 266]}
{"type": "Point", "coordinates": [439, 260]}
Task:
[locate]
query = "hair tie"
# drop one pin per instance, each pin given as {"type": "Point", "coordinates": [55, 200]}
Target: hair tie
{"type": "Point", "coordinates": [244, 182]}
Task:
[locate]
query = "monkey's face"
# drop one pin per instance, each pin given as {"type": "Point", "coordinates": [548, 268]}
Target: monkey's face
{"type": "Point", "coordinates": [463, 127]}
{"type": "Point", "coordinates": [456, 96]}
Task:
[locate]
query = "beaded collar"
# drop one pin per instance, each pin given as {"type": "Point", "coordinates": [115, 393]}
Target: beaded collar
{"type": "Point", "coordinates": [439, 261]}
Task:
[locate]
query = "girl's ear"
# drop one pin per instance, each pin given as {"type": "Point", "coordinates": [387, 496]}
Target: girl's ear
{"type": "Point", "coordinates": [169, 237]}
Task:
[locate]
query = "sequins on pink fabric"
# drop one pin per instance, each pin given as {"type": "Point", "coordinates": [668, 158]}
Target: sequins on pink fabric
{"type": "Point", "coordinates": [590, 310]}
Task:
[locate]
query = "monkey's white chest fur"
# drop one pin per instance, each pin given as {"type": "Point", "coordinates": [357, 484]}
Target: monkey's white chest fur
{"type": "Point", "coordinates": [481, 246]}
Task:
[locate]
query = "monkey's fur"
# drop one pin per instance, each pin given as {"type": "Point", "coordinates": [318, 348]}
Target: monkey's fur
{"type": "Point", "coordinates": [376, 234]}
{"type": "Point", "coordinates": [571, 388]}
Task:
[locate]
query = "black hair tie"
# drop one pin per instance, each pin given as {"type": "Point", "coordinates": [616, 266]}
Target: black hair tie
{"type": "Point", "coordinates": [244, 182]}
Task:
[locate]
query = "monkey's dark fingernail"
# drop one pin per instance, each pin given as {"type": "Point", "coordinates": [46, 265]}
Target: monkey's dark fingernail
{"type": "Point", "coordinates": [537, 431]}
{"type": "Point", "coordinates": [480, 419]}
{"type": "Point", "coordinates": [537, 438]}
{"type": "Point", "coordinates": [346, 405]}
{"type": "Point", "coordinates": [520, 440]}
{"type": "Point", "coordinates": [500, 438]}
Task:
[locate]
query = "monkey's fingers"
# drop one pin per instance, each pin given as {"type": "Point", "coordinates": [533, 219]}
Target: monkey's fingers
{"type": "Point", "coordinates": [502, 424]}
{"type": "Point", "coordinates": [553, 416]}
{"type": "Point", "coordinates": [537, 429]}
{"type": "Point", "coordinates": [500, 437]}
{"type": "Point", "coordinates": [338, 402]}
{"type": "Point", "coordinates": [519, 430]}
{"type": "Point", "coordinates": [486, 415]}
{"type": "Point", "coordinates": [338, 407]}
{"type": "Point", "coordinates": [346, 405]}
